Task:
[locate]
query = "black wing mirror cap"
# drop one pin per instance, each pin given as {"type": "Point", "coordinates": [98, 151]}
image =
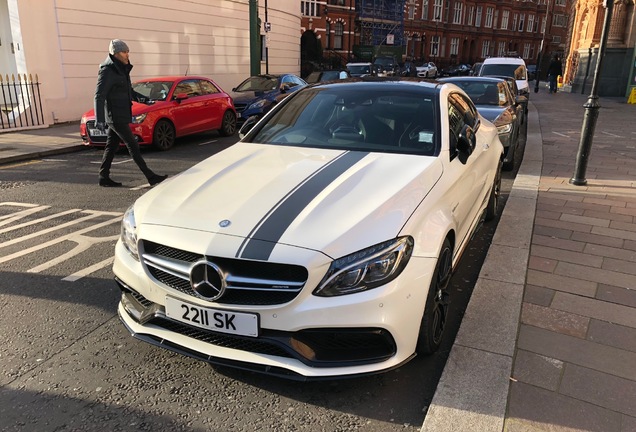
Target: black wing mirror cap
{"type": "Point", "coordinates": [467, 140]}
{"type": "Point", "coordinates": [247, 126]}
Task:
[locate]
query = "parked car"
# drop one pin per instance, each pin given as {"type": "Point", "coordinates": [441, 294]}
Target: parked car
{"type": "Point", "coordinates": [520, 101]}
{"type": "Point", "coordinates": [456, 70]}
{"type": "Point", "coordinates": [360, 69]}
{"type": "Point", "coordinates": [427, 70]}
{"type": "Point", "coordinates": [322, 243]}
{"type": "Point", "coordinates": [259, 93]}
{"type": "Point", "coordinates": [495, 101]}
{"type": "Point", "coordinates": [172, 107]}
{"type": "Point", "coordinates": [326, 75]}
{"type": "Point", "coordinates": [387, 66]}
{"type": "Point", "coordinates": [508, 66]}
{"type": "Point", "coordinates": [475, 68]}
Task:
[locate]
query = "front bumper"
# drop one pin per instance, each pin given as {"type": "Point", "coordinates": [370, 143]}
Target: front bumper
{"type": "Point", "coordinates": [307, 338]}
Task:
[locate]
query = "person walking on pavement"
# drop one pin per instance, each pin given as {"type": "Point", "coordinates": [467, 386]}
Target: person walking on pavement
{"type": "Point", "coordinates": [113, 106]}
{"type": "Point", "coordinates": [554, 71]}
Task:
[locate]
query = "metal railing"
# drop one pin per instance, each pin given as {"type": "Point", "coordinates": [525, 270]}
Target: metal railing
{"type": "Point", "coordinates": [20, 102]}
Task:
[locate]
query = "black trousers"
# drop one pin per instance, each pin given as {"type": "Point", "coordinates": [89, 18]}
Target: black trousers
{"type": "Point", "coordinates": [121, 132]}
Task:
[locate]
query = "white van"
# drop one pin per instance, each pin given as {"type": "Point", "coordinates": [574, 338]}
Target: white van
{"type": "Point", "coordinates": [508, 66]}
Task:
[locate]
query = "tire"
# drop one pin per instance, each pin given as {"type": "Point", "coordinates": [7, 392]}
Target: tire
{"type": "Point", "coordinates": [228, 124]}
{"type": "Point", "coordinates": [492, 209]}
{"type": "Point", "coordinates": [163, 136]}
{"type": "Point", "coordinates": [436, 311]}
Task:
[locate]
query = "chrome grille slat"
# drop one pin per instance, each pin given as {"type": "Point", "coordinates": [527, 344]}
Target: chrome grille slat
{"type": "Point", "coordinates": [248, 282]}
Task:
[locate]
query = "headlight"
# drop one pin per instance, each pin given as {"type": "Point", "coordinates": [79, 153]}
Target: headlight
{"type": "Point", "coordinates": [139, 118]}
{"type": "Point", "coordinates": [259, 104]}
{"type": "Point", "coordinates": [505, 128]}
{"type": "Point", "coordinates": [129, 232]}
{"type": "Point", "coordinates": [366, 269]}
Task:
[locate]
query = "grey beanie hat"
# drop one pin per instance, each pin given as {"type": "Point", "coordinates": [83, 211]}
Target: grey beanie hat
{"type": "Point", "coordinates": [117, 45]}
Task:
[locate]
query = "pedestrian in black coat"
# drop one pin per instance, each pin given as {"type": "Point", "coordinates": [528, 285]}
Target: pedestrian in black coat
{"type": "Point", "coordinates": [113, 106]}
{"type": "Point", "coordinates": [554, 70]}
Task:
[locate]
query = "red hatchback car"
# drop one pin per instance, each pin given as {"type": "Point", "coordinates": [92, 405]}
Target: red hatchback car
{"type": "Point", "coordinates": [173, 106]}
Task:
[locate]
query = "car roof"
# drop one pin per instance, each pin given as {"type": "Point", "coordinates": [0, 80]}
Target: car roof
{"type": "Point", "coordinates": [359, 64]}
{"type": "Point", "coordinates": [505, 60]}
{"type": "Point", "coordinates": [383, 83]}
{"type": "Point", "coordinates": [172, 78]}
{"type": "Point", "coordinates": [473, 78]}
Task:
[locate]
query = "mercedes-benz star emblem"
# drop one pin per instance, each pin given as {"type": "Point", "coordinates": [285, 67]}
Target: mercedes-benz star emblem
{"type": "Point", "coordinates": [207, 280]}
{"type": "Point", "coordinates": [224, 223]}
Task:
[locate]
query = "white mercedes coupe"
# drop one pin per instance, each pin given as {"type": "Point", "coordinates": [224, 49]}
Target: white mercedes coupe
{"type": "Point", "coordinates": [322, 243]}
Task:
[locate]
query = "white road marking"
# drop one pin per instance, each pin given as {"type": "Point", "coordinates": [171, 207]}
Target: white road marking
{"type": "Point", "coordinates": [35, 221]}
{"type": "Point", "coordinates": [72, 236]}
{"type": "Point", "coordinates": [114, 163]}
{"type": "Point", "coordinates": [83, 244]}
{"type": "Point", "coordinates": [54, 160]}
{"type": "Point", "coordinates": [612, 135]}
{"type": "Point", "coordinates": [560, 134]}
{"type": "Point", "coordinates": [92, 215]}
{"type": "Point", "coordinates": [207, 142]}
{"type": "Point", "coordinates": [88, 270]}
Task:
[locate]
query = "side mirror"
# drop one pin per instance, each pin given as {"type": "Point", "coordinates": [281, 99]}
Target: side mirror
{"type": "Point", "coordinates": [247, 126]}
{"type": "Point", "coordinates": [467, 140]}
{"type": "Point", "coordinates": [234, 89]}
{"type": "Point", "coordinates": [521, 100]}
{"type": "Point", "coordinates": [181, 96]}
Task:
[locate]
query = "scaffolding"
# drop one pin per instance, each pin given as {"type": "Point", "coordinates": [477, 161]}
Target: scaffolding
{"type": "Point", "coordinates": [381, 22]}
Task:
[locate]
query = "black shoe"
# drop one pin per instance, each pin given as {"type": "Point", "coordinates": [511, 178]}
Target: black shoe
{"type": "Point", "coordinates": [107, 182]}
{"type": "Point", "coordinates": [156, 179]}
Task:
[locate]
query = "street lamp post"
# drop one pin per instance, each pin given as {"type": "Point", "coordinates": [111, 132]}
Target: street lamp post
{"type": "Point", "coordinates": [591, 106]}
{"type": "Point", "coordinates": [539, 59]}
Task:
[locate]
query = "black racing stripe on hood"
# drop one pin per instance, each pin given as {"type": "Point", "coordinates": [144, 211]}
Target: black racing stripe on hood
{"type": "Point", "coordinates": [263, 238]}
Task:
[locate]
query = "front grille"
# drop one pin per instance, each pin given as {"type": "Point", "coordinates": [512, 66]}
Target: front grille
{"type": "Point", "coordinates": [248, 282]}
{"type": "Point", "coordinates": [240, 107]}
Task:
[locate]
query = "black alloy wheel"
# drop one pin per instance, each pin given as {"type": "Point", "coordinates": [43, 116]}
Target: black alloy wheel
{"type": "Point", "coordinates": [492, 209]}
{"type": "Point", "coordinates": [163, 136]}
{"type": "Point", "coordinates": [228, 125]}
{"type": "Point", "coordinates": [437, 302]}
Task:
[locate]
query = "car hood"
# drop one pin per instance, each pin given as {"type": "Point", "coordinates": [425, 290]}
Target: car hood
{"type": "Point", "coordinates": [490, 112]}
{"type": "Point", "coordinates": [249, 96]}
{"type": "Point", "coordinates": [137, 109]}
{"type": "Point", "coordinates": [331, 201]}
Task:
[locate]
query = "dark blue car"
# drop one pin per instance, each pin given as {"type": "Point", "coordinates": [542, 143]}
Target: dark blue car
{"type": "Point", "coordinates": [259, 93]}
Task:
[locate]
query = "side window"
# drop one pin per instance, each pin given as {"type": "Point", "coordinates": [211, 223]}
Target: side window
{"type": "Point", "coordinates": [189, 87]}
{"type": "Point", "coordinates": [456, 121]}
{"type": "Point", "coordinates": [469, 112]}
{"type": "Point", "coordinates": [208, 88]}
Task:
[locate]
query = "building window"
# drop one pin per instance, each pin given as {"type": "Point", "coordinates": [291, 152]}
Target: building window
{"type": "Point", "coordinates": [327, 35]}
{"type": "Point", "coordinates": [337, 39]}
{"type": "Point", "coordinates": [531, 51]}
{"type": "Point", "coordinates": [515, 18]}
{"type": "Point", "coordinates": [471, 16]}
{"type": "Point", "coordinates": [454, 46]}
{"type": "Point", "coordinates": [478, 17]}
{"type": "Point", "coordinates": [495, 20]}
{"type": "Point", "coordinates": [437, 10]}
{"type": "Point", "coordinates": [425, 9]}
{"type": "Point", "coordinates": [526, 50]}
{"type": "Point", "coordinates": [559, 20]}
{"type": "Point", "coordinates": [504, 19]}
{"type": "Point", "coordinates": [457, 13]}
{"type": "Point", "coordinates": [556, 39]}
{"type": "Point", "coordinates": [446, 11]}
{"type": "Point", "coordinates": [310, 8]}
{"type": "Point", "coordinates": [559, 2]}
{"type": "Point", "coordinates": [485, 49]}
{"type": "Point", "coordinates": [522, 19]}
{"type": "Point", "coordinates": [530, 23]}
{"type": "Point", "coordinates": [488, 21]}
{"type": "Point", "coordinates": [501, 51]}
{"type": "Point", "coordinates": [434, 46]}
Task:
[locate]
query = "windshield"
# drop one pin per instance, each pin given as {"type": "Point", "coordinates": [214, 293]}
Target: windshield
{"type": "Point", "coordinates": [484, 93]}
{"type": "Point", "coordinates": [359, 70]}
{"type": "Point", "coordinates": [153, 90]}
{"type": "Point", "coordinates": [512, 70]}
{"type": "Point", "coordinates": [390, 121]}
{"type": "Point", "coordinates": [258, 83]}
{"type": "Point", "coordinates": [315, 77]}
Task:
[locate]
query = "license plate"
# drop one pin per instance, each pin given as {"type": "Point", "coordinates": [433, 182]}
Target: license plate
{"type": "Point", "coordinates": [97, 132]}
{"type": "Point", "coordinates": [219, 320]}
